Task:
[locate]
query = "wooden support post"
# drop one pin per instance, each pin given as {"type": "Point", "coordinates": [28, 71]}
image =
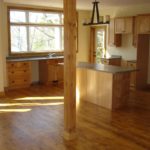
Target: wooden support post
{"type": "Point", "coordinates": [69, 69]}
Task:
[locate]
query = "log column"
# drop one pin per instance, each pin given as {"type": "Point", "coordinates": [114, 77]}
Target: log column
{"type": "Point", "coordinates": [69, 69]}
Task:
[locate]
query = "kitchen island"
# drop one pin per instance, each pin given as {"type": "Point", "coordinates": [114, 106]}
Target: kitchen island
{"type": "Point", "coordinates": [104, 85]}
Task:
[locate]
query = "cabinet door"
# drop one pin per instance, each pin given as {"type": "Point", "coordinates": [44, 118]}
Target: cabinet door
{"type": "Point", "coordinates": [119, 25]}
{"type": "Point", "coordinates": [114, 39]}
{"type": "Point", "coordinates": [112, 32]}
{"type": "Point", "coordinates": [135, 34]}
{"type": "Point", "coordinates": [124, 25]}
{"type": "Point", "coordinates": [115, 62]}
{"type": "Point", "coordinates": [133, 74]}
{"type": "Point", "coordinates": [144, 24]}
{"type": "Point", "coordinates": [52, 73]}
{"type": "Point", "coordinates": [128, 24]}
{"type": "Point", "coordinates": [60, 72]}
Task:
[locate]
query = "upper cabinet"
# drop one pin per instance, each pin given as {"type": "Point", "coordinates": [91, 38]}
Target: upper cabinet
{"type": "Point", "coordinates": [135, 32]}
{"type": "Point", "coordinates": [114, 39]}
{"type": "Point", "coordinates": [143, 23]}
{"type": "Point", "coordinates": [124, 25]}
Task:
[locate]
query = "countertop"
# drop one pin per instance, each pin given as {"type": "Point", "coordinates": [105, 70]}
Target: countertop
{"type": "Point", "coordinates": [133, 61]}
{"type": "Point", "coordinates": [105, 68]}
{"type": "Point", "coordinates": [34, 58]}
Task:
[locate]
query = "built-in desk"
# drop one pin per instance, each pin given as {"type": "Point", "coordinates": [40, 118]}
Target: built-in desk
{"type": "Point", "coordinates": [104, 85]}
{"type": "Point", "coordinates": [19, 70]}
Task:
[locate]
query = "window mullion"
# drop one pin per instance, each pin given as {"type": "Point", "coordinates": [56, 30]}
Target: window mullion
{"type": "Point", "coordinates": [28, 33]}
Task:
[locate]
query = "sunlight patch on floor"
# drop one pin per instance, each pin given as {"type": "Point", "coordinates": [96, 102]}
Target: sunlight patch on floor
{"type": "Point", "coordinates": [30, 104]}
{"type": "Point", "coordinates": [41, 98]}
{"type": "Point", "coordinates": [14, 110]}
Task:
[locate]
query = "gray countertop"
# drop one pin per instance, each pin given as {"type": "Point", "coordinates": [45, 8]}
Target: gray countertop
{"type": "Point", "coordinates": [105, 68]}
{"type": "Point", "coordinates": [112, 57]}
{"type": "Point", "coordinates": [133, 61]}
{"type": "Point", "coordinates": [34, 58]}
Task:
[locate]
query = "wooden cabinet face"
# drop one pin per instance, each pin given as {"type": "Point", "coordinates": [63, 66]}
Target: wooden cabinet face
{"type": "Point", "coordinates": [114, 39]}
{"type": "Point", "coordinates": [128, 25]}
{"type": "Point", "coordinates": [144, 24]}
{"type": "Point", "coordinates": [19, 74]}
{"type": "Point", "coordinates": [119, 25]}
{"type": "Point", "coordinates": [124, 25]}
{"type": "Point", "coordinates": [135, 32]}
{"type": "Point", "coordinates": [50, 71]}
{"type": "Point", "coordinates": [112, 32]}
{"type": "Point", "coordinates": [133, 74]}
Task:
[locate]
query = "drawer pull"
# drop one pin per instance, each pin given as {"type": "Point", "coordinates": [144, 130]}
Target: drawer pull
{"type": "Point", "coordinates": [25, 71]}
{"type": "Point", "coordinates": [25, 80]}
{"type": "Point", "coordinates": [13, 82]}
{"type": "Point", "coordinates": [12, 72]}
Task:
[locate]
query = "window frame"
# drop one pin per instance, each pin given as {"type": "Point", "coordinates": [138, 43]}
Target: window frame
{"type": "Point", "coordinates": [9, 8]}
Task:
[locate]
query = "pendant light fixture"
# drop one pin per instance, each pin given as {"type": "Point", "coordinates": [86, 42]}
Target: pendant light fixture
{"type": "Point", "coordinates": [97, 20]}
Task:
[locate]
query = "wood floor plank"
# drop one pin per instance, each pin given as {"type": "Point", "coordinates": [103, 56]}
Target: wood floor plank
{"type": "Point", "coordinates": [32, 119]}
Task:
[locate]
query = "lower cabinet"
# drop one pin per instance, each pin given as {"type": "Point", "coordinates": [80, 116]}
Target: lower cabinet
{"type": "Point", "coordinates": [19, 74]}
{"type": "Point", "coordinates": [133, 74]}
{"type": "Point", "coordinates": [130, 64]}
{"type": "Point", "coordinates": [114, 61]}
{"type": "Point", "coordinates": [51, 71]}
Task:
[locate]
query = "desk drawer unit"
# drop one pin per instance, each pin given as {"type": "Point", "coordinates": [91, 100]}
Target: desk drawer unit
{"type": "Point", "coordinates": [19, 74]}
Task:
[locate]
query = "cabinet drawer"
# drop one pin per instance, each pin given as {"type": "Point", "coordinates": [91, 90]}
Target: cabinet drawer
{"type": "Point", "coordinates": [18, 65]}
{"type": "Point", "coordinates": [15, 73]}
{"type": "Point", "coordinates": [60, 60]}
{"type": "Point", "coordinates": [105, 61]}
{"type": "Point", "coordinates": [132, 65]}
{"type": "Point", "coordinates": [19, 81]}
{"type": "Point", "coordinates": [51, 61]}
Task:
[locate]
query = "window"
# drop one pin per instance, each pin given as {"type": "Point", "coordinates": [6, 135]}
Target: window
{"type": "Point", "coordinates": [100, 43]}
{"type": "Point", "coordinates": [34, 31]}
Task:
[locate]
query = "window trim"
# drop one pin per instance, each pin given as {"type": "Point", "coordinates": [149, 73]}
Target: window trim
{"type": "Point", "coordinates": [32, 24]}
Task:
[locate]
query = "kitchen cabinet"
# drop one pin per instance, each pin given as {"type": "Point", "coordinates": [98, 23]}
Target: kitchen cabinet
{"type": "Point", "coordinates": [19, 74]}
{"type": "Point", "coordinates": [123, 25]}
{"type": "Point", "coordinates": [135, 31]}
{"type": "Point", "coordinates": [143, 23]}
{"type": "Point", "coordinates": [50, 71]}
{"type": "Point", "coordinates": [113, 39]}
{"type": "Point", "coordinates": [132, 64]}
{"type": "Point", "coordinates": [111, 61]}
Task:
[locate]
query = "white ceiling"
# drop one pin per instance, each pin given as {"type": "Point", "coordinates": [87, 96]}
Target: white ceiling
{"type": "Point", "coordinates": [81, 4]}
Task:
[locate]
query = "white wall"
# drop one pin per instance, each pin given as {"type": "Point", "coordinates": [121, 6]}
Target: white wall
{"type": "Point", "coordinates": [1, 51]}
{"type": "Point", "coordinates": [83, 37]}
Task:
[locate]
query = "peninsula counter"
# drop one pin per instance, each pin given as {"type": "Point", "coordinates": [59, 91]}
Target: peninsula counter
{"type": "Point", "coordinates": [104, 85]}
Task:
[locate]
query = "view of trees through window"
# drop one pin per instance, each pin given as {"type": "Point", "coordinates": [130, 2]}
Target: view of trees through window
{"type": "Point", "coordinates": [36, 31]}
{"type": "Point", "coordinates": [100, 44]}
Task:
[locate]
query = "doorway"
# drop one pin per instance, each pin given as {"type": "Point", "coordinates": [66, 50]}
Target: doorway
{"type": "Point", "coordinates": [98, 43]}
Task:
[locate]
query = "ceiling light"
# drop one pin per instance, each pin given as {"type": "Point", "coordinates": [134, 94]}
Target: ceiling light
{"type": "Point", "coordinates": [96, 20]}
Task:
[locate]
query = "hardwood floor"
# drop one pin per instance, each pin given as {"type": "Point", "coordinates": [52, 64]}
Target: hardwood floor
{"type": "Point", "coordinates": [32, 119]}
